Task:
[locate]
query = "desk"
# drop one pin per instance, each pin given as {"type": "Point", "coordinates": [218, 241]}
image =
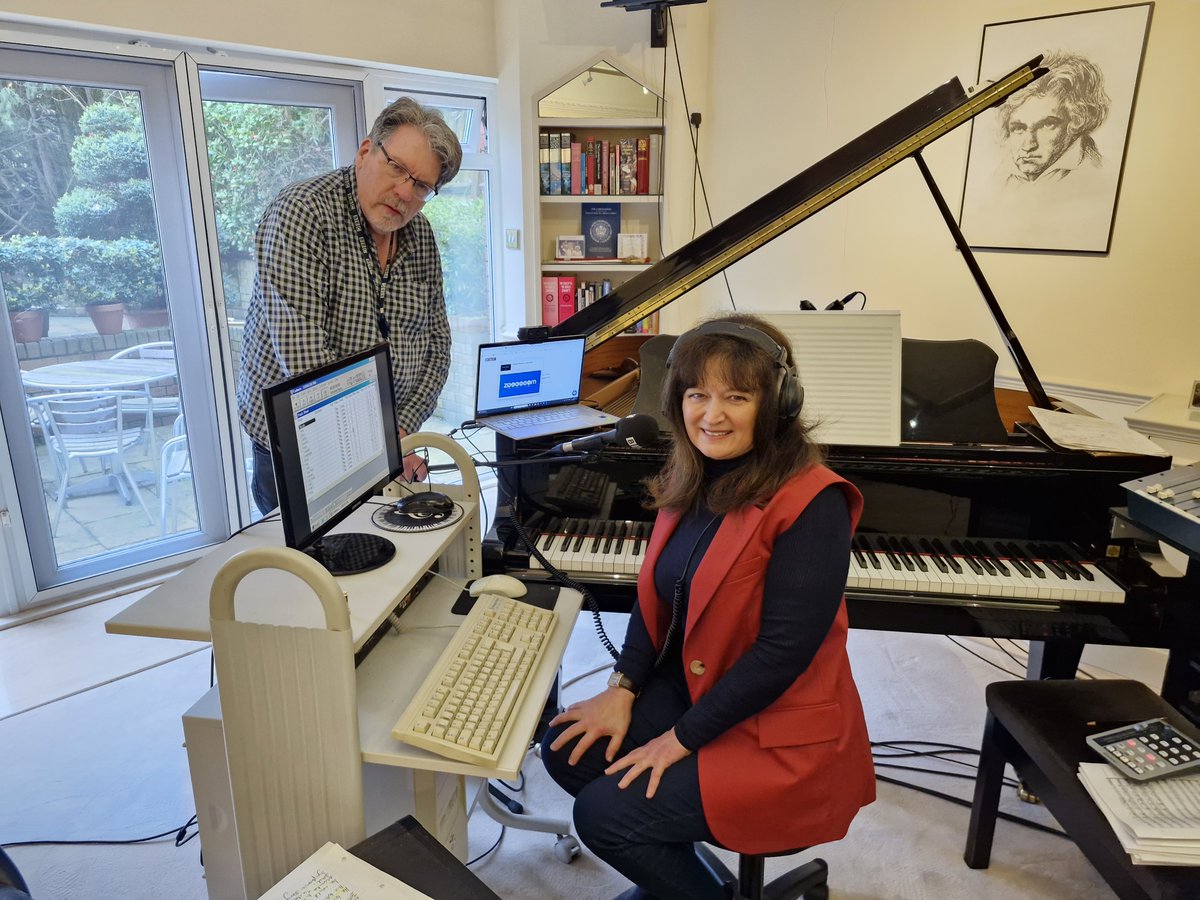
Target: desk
{"type": "Point", "coordinates": [384, 682]}
{"type": "Point", "coordinates": [99, 374]}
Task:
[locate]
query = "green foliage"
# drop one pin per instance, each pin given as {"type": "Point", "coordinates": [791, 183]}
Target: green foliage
{"type": "Point", "coordinates": [253, 151]}
{"type": "Point", "coordinates": [30, 272]}
{"type": "Point", "coordinates": [126, 270]}
{"type": "Point", "coordinates": [113, 197]}
{"type": "Point", "coordinates": [460, 223]}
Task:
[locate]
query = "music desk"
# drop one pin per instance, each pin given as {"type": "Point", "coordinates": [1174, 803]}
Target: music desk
{"type": "Point", "coordinates": [385, 680]}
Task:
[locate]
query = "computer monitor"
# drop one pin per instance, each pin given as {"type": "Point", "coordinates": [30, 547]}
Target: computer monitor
{"type": "Point", "coordinates": [334, 444]}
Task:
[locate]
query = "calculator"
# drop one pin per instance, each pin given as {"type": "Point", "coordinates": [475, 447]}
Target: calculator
{"type": "Point", "coordinates": [1146, 750]}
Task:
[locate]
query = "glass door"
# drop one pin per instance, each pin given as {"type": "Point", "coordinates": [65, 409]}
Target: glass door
{"type": "Point", "coordinates": [103, 410]}
{"type": "Point", "coordinates": [263, 131]}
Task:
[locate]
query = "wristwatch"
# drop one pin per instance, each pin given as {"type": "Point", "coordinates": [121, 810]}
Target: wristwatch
{"type": "Point", "coordinates": [621, 680]}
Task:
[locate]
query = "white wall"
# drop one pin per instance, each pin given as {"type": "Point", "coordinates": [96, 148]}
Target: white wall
{"type": "Point", "coordinates": [800, 78]}
{"type": "Point", "coordinates": [452, 35]}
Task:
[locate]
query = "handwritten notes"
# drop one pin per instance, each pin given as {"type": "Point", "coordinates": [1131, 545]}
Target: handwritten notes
{"type": "Point", "coordinates": [333, 873]}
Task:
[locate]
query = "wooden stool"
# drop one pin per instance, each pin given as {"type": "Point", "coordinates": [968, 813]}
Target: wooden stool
{"type": "Point", "coordinates": [807, 881]}
{"type": "Point", "coordinates": [1039, 728]}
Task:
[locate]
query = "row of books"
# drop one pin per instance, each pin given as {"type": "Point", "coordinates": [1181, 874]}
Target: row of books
{"type": "Point", "coordinates": [599, 166]}
{"type": "Point", "coordinates": [565, 295]}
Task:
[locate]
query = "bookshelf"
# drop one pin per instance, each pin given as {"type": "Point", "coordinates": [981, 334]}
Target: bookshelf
{"type": "Point", "coordinates": [601, 115]}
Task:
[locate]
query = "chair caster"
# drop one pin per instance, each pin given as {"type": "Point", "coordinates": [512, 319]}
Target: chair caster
{"type": "Point", "coordinates": [566, 849]}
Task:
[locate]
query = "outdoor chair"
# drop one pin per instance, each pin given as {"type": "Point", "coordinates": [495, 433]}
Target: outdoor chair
{"type": "Point", "coordinates": [175, 465]}
{"type": "Point", "coordinates": [82, 425]}
{"type": "Point", "coordinates": [152, 405]}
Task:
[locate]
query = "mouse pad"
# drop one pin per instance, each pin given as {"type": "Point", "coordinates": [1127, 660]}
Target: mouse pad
{"type": "Point", "coordinates": [542, 595]}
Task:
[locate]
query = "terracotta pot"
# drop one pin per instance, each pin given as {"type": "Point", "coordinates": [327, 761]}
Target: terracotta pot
{"type": "Point", "coordinates": [107, 318]}
{"type": "Point", "coordinates": [146, 318]}
{"type": "Point", "coordinates": [29, 325]}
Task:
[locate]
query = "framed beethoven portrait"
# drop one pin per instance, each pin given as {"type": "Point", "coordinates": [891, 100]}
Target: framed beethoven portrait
{"type": "Point", "coordinates": [1044, 167]}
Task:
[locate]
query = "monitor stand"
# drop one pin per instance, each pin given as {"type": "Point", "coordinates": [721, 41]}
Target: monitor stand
{"type": "Point", "coordinates": [349, 554]}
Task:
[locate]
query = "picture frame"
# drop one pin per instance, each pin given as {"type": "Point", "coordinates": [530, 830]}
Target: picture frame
{"type": "Point", "coordinates": [1044, 167]}
{"type": "Point", "coordinates": [568, 247]}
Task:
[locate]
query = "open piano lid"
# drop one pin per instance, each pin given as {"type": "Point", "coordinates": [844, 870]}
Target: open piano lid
{"type": "Point", "coordinates": [892, 140]}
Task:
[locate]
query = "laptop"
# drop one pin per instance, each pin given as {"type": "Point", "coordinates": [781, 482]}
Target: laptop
{"type": "Point", "coordinates": [529, 389]}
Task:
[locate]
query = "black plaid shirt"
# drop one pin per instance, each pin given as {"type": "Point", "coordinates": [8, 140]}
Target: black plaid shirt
{"type": "Point", "coordinates": [314, 299]}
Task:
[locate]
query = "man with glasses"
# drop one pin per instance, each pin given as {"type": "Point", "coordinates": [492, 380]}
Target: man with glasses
{"type": "Point", "coordinates": [346, 260]}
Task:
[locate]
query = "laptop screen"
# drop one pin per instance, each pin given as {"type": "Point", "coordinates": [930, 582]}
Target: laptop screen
{"type": "Point", "coordinates": [519, 375]}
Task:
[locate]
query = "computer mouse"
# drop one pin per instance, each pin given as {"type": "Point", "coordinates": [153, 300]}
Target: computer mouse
{"type": "Point", "coordinates": [505, 585]}
{"type": "Point", "coordinates": [425, 504]}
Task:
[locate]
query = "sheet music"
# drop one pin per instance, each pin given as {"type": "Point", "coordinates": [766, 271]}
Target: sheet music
{"type": "Point", "coordinates": [1157, 822]}
{"type": "Point", "coordinates": [1089, 433]}
{"type": "Point", "coordinates": [333, 873]}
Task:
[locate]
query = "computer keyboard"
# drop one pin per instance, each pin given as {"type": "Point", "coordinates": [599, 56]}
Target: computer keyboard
{"type": "Point", "coordinates": [577, 488]}
{"type": "Point", "coordinates": [557, 414]}
{"type": "Point", "coordinates": [463, 708]}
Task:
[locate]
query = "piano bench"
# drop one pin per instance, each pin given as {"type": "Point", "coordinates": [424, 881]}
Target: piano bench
{"type": "Point", "coordinates": [1039, 728]}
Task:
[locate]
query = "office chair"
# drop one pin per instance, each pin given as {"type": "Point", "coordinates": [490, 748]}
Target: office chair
{"type": "Point", "coordinates": [807, 881]}
{"type": "Point", "coordinates": [947, 392]}
{"type": "Point", "coordinates": [12, 885]}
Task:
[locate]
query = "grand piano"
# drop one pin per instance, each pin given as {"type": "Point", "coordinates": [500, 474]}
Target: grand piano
{"type": "Point", "coordinates": [1004, 538]}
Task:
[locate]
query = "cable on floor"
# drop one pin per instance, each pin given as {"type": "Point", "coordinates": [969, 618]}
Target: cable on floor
{"type": "Point", "coordinates": [182, 836]}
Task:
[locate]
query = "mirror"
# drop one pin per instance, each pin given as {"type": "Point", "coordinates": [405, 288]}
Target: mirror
{"type": "Point", "coordinates": [601, 91]}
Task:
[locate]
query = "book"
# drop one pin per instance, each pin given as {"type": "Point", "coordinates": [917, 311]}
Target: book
{"type": "Point", "coordinates": [565, 162]}
{"type": "Point", "coordinates": [576, 167]}
{"type": "Point", "coordinates": [627, 165]}
{"type": "Point", "coordinates": [600, 224]}
{"type": "Point", "coordinates": [549, 300]}
{"type": "Point", "coordinates": [604, 167]}
{"type": "Point", "coordinates": [555, 142]}
{"type": "Point", "coordinates": [566, 297]}
{"type": "Point", "coordinates": [544, 161]}
{"type": "Point", "coordinates": [333, 873]}
{"type": "Point", "coordinates": [643, 165]}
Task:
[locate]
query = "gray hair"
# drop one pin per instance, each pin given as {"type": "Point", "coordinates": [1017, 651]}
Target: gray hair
{"type": "Point", "coordinates": [1076, 82]}
{"type": "Point", "coordinates": [442, 139]}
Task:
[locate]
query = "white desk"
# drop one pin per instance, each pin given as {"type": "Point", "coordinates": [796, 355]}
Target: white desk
{"type": "Point", "coordinates": [392, 672]}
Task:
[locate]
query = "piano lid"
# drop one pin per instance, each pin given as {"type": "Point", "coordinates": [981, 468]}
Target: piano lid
{"type": "Point", "coordinates": [896, 138]}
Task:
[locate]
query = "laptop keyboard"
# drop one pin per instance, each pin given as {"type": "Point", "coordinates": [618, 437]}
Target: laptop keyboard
{"type": "Point", "coordinates": [540, 417]}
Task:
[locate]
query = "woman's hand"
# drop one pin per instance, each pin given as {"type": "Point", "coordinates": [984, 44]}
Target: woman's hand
{"type": "Point", "coordinates": [658, 755]}
{"type": "Point", "coordinates": [605, 715]}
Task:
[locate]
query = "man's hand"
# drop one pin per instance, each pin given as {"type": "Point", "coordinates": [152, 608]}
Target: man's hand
{"type": "Point", "coordinates": [605, 715]}
{"type": "Point", "coordinates": [658, 755]}
{"type": "Point", "coordinates": [414, 464]}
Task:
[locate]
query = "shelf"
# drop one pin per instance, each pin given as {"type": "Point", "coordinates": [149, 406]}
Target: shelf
{"type": "Point", "coordinates": [599, 198]}
{"type": "Point", "coordinates": [584, 266]}
{"type": "Point", "coordinates": [599, 124]}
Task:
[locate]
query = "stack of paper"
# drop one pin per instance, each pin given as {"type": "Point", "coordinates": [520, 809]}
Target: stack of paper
{"type": "Point", "coordinates": [1157, 822]}
{"type": "Point", "coordinates": [331, 873]}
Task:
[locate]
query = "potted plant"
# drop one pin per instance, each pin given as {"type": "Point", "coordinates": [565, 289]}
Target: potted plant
{"type": "Point", "coordinates": [32, 281]}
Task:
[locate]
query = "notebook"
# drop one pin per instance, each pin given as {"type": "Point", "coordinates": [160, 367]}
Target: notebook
{"type": "Point", "coordinates": [528, 389]}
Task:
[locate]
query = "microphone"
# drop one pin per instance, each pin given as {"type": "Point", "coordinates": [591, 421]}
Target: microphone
{"type": "Point", "coordinates": [637, 431]}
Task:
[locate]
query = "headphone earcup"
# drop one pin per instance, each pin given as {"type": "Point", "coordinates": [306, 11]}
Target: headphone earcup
{"type": "Point", "coordinates": [791, 397]}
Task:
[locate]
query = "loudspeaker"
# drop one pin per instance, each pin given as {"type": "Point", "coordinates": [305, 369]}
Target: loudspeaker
{"type": "Point", "coordinates": [790, 391]}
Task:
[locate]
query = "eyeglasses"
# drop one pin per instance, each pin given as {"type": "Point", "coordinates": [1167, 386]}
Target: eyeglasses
{"type": "Point", "coordinates": [420, 189]}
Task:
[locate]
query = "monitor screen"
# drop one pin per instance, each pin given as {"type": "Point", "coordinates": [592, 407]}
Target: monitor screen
{"type": "Point", "coordinates": [334, 444]}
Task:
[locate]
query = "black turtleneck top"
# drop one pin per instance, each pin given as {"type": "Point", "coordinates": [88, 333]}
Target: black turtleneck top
{"type": "Point", "coordinates": [805, 580]}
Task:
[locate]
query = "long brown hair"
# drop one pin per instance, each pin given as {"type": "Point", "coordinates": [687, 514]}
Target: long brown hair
{"type": "Point", "coordinates": [779, 451]}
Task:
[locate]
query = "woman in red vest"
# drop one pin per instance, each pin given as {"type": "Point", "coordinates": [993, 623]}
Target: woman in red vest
{"type": "Point", "coordinates": [731, 716]}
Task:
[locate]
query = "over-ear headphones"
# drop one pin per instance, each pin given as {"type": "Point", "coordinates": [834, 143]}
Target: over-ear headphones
{"type": "Point", "coordinates": [790, 391]}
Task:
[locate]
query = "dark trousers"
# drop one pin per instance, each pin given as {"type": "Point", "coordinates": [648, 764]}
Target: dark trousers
{"type": "Point", "coordinates": [262, 484]}
{"type": "Point", "coordinates": [650, 842]}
